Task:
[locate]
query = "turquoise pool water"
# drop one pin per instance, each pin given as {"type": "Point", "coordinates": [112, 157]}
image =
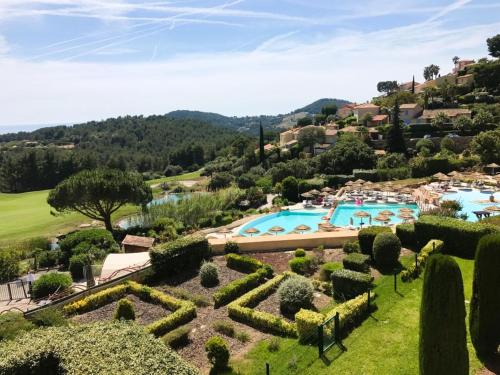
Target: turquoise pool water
{"type": "Point", "coordinates": [341, 217]}
{"type": "Point", "coordinates": [471, 201]}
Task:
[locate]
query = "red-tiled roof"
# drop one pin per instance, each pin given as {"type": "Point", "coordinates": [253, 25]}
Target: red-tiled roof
{"type": "Point", "coordinates": [138, 241]}
{"type": "Point", "coordinates": [379, 117]}
{"type": "Point", "coordinates": [366, 105]}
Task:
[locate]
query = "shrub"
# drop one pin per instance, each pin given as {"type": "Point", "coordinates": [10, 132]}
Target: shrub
{"type": "Point", "coordinates": [178, 337]}
{"type": "Point", "coordinates": [100, 348]}
{"type": "Point", "coordinates": [217, 352]}
{"type": "Point", "coordinates": [238, 287]}
{"type": "Point", "coordinates": [352, 312]}
{"type": "Point", "coordinates": [99, 241]}
{"type": "Point", "coordinates": [124, 310]}
{"type": "Point", "coordinates": [412, 272]}
{"type": "Point", "coordinates": [302, 265]}
{"type": "Point", "coordinates": [179, 255]}
{"type": "Point", "coordinates": [48, 259]}
{"type": "Point", "coordinates": [225, 327]}
{"type": "Point", "coordinates": [244, 263]}
{"type": "Point", "coordinates": [386, 250]}
{"type": "Point", "coordinates": [406, 234]}
{"type": "Point", "coordinates": [12, 324]}
{"type": "Point", "coordinates": [9, 265]}
{"type": "Point", "coordinates": [443, 345]}
{"type": "Point", "coordinates": [366, 237]}
{"type": "Point", "coordinates": [231, 247]}
{"type": "Point", "coordinates": [485, 304]}
{"type": "Point", "coordinates": [307, 324]}
{"type": "Point", "coordinates": [50, 317]}
{"type": "Point", "coordinates": [326, 270]}
{"type": "Point", "coordinates": [77, 264]}
{"type": "Point", "coordinates": [242, 336]}
{"type": "Point", "coordinates": [51, 282]}
{"type": "Point", "coordinates": [300, 253]}
{"type": "Point", "coordinates": [348, 284]}
{"type": "Point", "coordinates": [295, 293]}
{"type": "Point", "coordinates": [357, 262]}
{"type": "Point", "coordinates": [209, 274]}
{"type": "Point", "coordinates": [273, 345]}
{"type": "Point", "coordinates": [198, 299]}
{"type": "Point", "coordinates": [460, 237]}
{"type": "Point", "coordinates": [351, 247]}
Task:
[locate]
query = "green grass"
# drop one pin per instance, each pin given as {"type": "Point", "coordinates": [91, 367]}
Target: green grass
{"type": "Point", "coordinates": [386, 343]}
{"type": "Point", "coordinates": [182, 177]}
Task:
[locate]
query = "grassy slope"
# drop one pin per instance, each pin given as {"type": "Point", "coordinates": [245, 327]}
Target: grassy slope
{"type": "Point", "coordinates": [27, 215]}
{"type": "Point", "coordinates": [386, 343]}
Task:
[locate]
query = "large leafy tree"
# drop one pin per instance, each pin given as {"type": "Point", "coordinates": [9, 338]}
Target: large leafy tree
{"type": "Point", "coordinates": [443, 344]}
{"type": "Point", "coordinates": [487, 146]}
{"type": "Point", "coordinates": [311, 135]}
{"type": "Point", "coordinates": [99, 193]}
{"type": "Point", "coordinates": [395, 141]}
{"type": "Point", "coordinates": [349, 153]}
{"type": "Point", "coordinates": [387, 86]}
{"type": "Point", "coordinates": [494, 45]}
{"type": "Point", "coordinates": [431, 72]}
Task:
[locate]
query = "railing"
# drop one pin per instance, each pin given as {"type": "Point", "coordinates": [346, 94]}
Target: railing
{"type": "Point", "coordinates": [14, 290]}
{"type": "Point", "coordinates": [127, 270]}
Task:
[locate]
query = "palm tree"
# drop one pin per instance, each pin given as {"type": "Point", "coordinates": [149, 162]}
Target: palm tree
{"type": "Point", "coordinates": [455, 60]}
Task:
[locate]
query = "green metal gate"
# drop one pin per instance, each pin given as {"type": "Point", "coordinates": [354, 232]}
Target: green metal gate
{"type": "Point", "coordinates": [328, 334]}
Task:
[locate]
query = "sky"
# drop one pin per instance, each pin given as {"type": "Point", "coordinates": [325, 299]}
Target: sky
{"type": "Point", "coordinates": [67, 61]}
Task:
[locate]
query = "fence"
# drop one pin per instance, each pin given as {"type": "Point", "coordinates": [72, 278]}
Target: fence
{"type": "Point", "coordinates": [328, 334]}
{"type": "Point", "coordinates": [14, 290]}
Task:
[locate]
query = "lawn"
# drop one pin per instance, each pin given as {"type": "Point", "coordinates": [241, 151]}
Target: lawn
{"type": "Point", "coordinates": [182, 177]}
{"type": "Point", "coordinates": [27, 215]}
{"type": "Point", "coordinates": [386, 343]}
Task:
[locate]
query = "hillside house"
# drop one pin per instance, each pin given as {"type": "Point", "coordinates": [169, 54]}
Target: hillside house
{"type": "Point", "coordinates": [355, 130]}
{"type": "Point", "coordinates": [378, 120]}
{"type": "Point", "coordinates": [461, 64]}
{"type": "Point", "coordinates": [346, 110]}
{"type": "Point", "coordinates": [290, 138]}
{"type": "Point", "coordinates": [409, 112]}
{"type": "Point", "coordinates": [362, 110]}
{"type": "Point", "coordinates": [429, 114]}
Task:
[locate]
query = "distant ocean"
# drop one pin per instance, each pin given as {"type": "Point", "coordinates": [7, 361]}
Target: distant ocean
{"type": "Point", "coordinates": [4, 129]}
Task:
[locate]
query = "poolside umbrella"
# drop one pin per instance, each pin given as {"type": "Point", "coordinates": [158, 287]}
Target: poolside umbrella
{"type": "Point", "coordinates": [359, 181]}
{"type": "Point", "coordinates": [454, 173]}
{"type": "Point", "coordinates": [406, 210]}
{"type": "Point", "coordinates": [386, 213]}
{"type": "Point", "coordinates": [314, 192]}
{"type": "Point", "coordinates": [383, 219]}
{"type": "Point", "coordinates": [405, 216]}
{"type": "Point", "coordinates": [493, 208]}
{"type": "Point", "coordinates": [225, 231]}
{"type": "Point", "coordinates": [252, 231]}
{"type": "Point", "coordinates": [327, 189]}
{"type": "Point", "coordinates": [349, 183]}
{"type": "Point", "coordinates": [307, 195]}
{"type": "Point", "coordinates": [376, 187]}
{"type": "Point", "coordinates": [361, 214]}
{"type": "Point", "coordinates": [276, 229]}
{"type": "Point", "coordinates": [302, 228]}
{"type": "Point", "coordinates": [389, 183]}
{"type": "Point", "coordinates": [441, 176]}
{"type": "Point", "coordinates": [493, 166]}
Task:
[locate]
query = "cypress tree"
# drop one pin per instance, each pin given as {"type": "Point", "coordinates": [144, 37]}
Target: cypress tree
{"type": "Point", "coordinates": [413, 85]}
{"type": "Point", "coordinates": [484, 323]}
{"type": "Point", "coordinates": [395, 142]}
{"type": "Point", "coordinates": [443, 346]}
{"type": "Point", "coordinates": [261, 143]}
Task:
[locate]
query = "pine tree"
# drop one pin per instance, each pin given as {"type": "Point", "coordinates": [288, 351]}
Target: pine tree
{"type": "Point", "coordinates": [395, 141]}
{"type": "Point", "coordinates": [443, 345]}
{"type": "Point", "coordinates": [413, 85]}
{"type": "Point", "coordinates": [485, 303]}
{"type": "Point", "coordinates": [261, 143]}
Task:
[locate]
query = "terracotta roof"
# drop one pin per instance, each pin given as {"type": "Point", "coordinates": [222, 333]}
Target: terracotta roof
{"type": "Point", "coordinates": [379, 117]}
{"type": "Point", "coordinates": [366, 105]}
{"type": "Point", "coordinates": [138, 241]}
{"type": "Point", "coordinates": [450, 112]}
{"type": "Point", "coordinates": [269, 147]}
{"type": "Point", "coordinates": [409, 106]}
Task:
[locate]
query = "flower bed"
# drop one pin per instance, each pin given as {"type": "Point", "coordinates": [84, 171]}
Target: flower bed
{"type": "Point", "coordinates": [182, 311]}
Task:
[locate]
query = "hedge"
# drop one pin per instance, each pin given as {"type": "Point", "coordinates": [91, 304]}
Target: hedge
{"type": "Point", "coordinates": [366, 237]}
{"type": "Point", "coordinates": [116, 348]}
{"type": "Point", "coordinates": [460, 237]}
{"type": "Point", "coordinates": [366, 174]}
{"type": "Point", "coordinates": [357, 262]}
{"type": "Point", "coordinates": [307, 324]}
{"type": "Point", "coordinates": [325, 272]}
{"type": "Point", "coordinates": [406, 234]}
{"type": "Point", "coordinates": [182, 311]}
{"type": "Point", "coordinates": [412, 272]}
{"type": "Point", "coordinates": [348, 284]}
{"type": "Point", "coordinates": [239, 309]}
{"type": "Point", "coordinates": [301, 265]}
{"type": "Point", "coordinates": [238, 287]}
{"type": "Point", "coordinates": [386, 250]}
{"type": "Point", "coordinates": [179, 255]}
{"type": "Point", "coordinates": [50, 283]}
{"type": "Point", "coordinates": [243, 263]}
{"type": "Point", "coordinates": [87, 240]}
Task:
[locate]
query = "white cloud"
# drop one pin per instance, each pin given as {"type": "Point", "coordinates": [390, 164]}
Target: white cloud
{"type": "Point", "coordinates": [233, 83]}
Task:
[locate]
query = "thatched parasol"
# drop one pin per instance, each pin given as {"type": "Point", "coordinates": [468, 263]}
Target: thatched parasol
{"type": "Point", "coordinates": [493, 166]}
{"type": "Point", "coordinates": [406, 210]}
{"type": "Point", "coordinates": [406, 190]}
{"type": "Point", "coordinates": [327, 189]}
{"type": "Point", "coordinates": [349, 183]}
{"type": "Point", "coordinates": [302, 228]}
{"type": "Point", "coordinates": [454, 173]}
{"type": "Point", "coordinates": [314, 192]}
{"type": "Point", "coordinates": [252, 231]}
{"type": "Point", "coordinates": [405, 216]}
{"type": "Point", "coordinates": [493, 208]}
{"type": "Point", "coordinates": [361, 214]}
{"type": "Point", "coordinates": [225, 231]}
{"type": "Point", "coordinates": [307, 195]}
{"type": "Point", "coordinates": [276, 229]}
{"type": "Point", "coordinates": [441, 176]}
{"type": "Point", "coordinates": [359, 181]}
{"type": "Point", "coordinates": [386, 213]}
{"type": "Point", "coordinates": [382, 219]}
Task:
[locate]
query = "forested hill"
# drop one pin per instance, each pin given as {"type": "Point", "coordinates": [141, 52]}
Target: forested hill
{"type": "Point", "coordinates": [39, 159]}
{"type": "Point", "coordinates": [250, 124]}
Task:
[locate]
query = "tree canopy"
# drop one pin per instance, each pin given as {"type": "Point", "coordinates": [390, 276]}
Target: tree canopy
{"type": "Point", "coordinates": [431, 72]}
{"type": "Point", "coordinates": [348, 153]}
{"type": "Point", "coordinates": [387, 86]}
{"type": "Point", "coordinates": [99, 193]}
{"type": "Point", "coordinates": [487, 146]}
{"type": "Point", "coordinates": [494, 45]}
{"type": "Point", "coordinates": [311, 135]}
{"type": "Point", "coordinates": [395, 141]}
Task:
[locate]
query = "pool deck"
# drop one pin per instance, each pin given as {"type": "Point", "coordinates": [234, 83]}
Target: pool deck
{"type": "Point", "coordinates": [333, 239]}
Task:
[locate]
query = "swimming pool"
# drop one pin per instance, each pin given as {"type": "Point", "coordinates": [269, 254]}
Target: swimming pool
{"type": "Point", "coordinates": [341, 217]}
{"type": "Point", "coordinates": [474, 200]}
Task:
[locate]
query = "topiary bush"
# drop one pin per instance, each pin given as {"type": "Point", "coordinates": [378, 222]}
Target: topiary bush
{"type": "Point", "coordinates": [178, 337]}
{"type": "Point", "coordinates": [406, 234]}
{"type": "Point", "coordinates": [443, 345]}
{"type": "Point", "coordinates": [300, 253]}
{"type": "Point", "coordinates": [231, 247]}
{"type": "Point", "coordinates": [48, 259]}
{"type": "Point", "coordinates": [348, 284]}
{"type": "Point", "coordinates": [485, 303]}
{"type": "Point", "coordinates": [77, 264]}
{"type": "Point", "coordinates": [295, 293]}
{"type": "Point", "coordinates": [217, 352]}
{"type": "Point", "coordinates": [124, 310]}
{"type": "Point", "coordinates": [366, 237]}
{"type": "Point", "coordinates": [325, 272]}
{"type": "Point", "coordinates": [209, 274]}
{"type": "Point", "coordinates": [351, 247]}
{"type": "Point", "coordinates": [386, 250]}
{"type": "Point", "coordinates": [51, 282]}
{"type": "Point", "coordinates": [98, 242]}
{"type": "Point", "coordinates": [302, 265]}
{"type": "Point", "coordinates": [357, 262]}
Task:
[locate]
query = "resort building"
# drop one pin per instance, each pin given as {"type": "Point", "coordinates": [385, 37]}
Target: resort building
{"type": "Point", "coordinates": [461, 64]}
{"type": "Point", "coordinates": [409, 112]}
{"type": "Point", "coordinates": [290, 137]}
{"type": "Point", "coordinates": [346, 110]}
{"type": "Point", "coordinates": [379, 120]}
{"type": "Point", "coordinates": [429, 114]}
{"type": "Point", "coordinates": [363, 109]}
